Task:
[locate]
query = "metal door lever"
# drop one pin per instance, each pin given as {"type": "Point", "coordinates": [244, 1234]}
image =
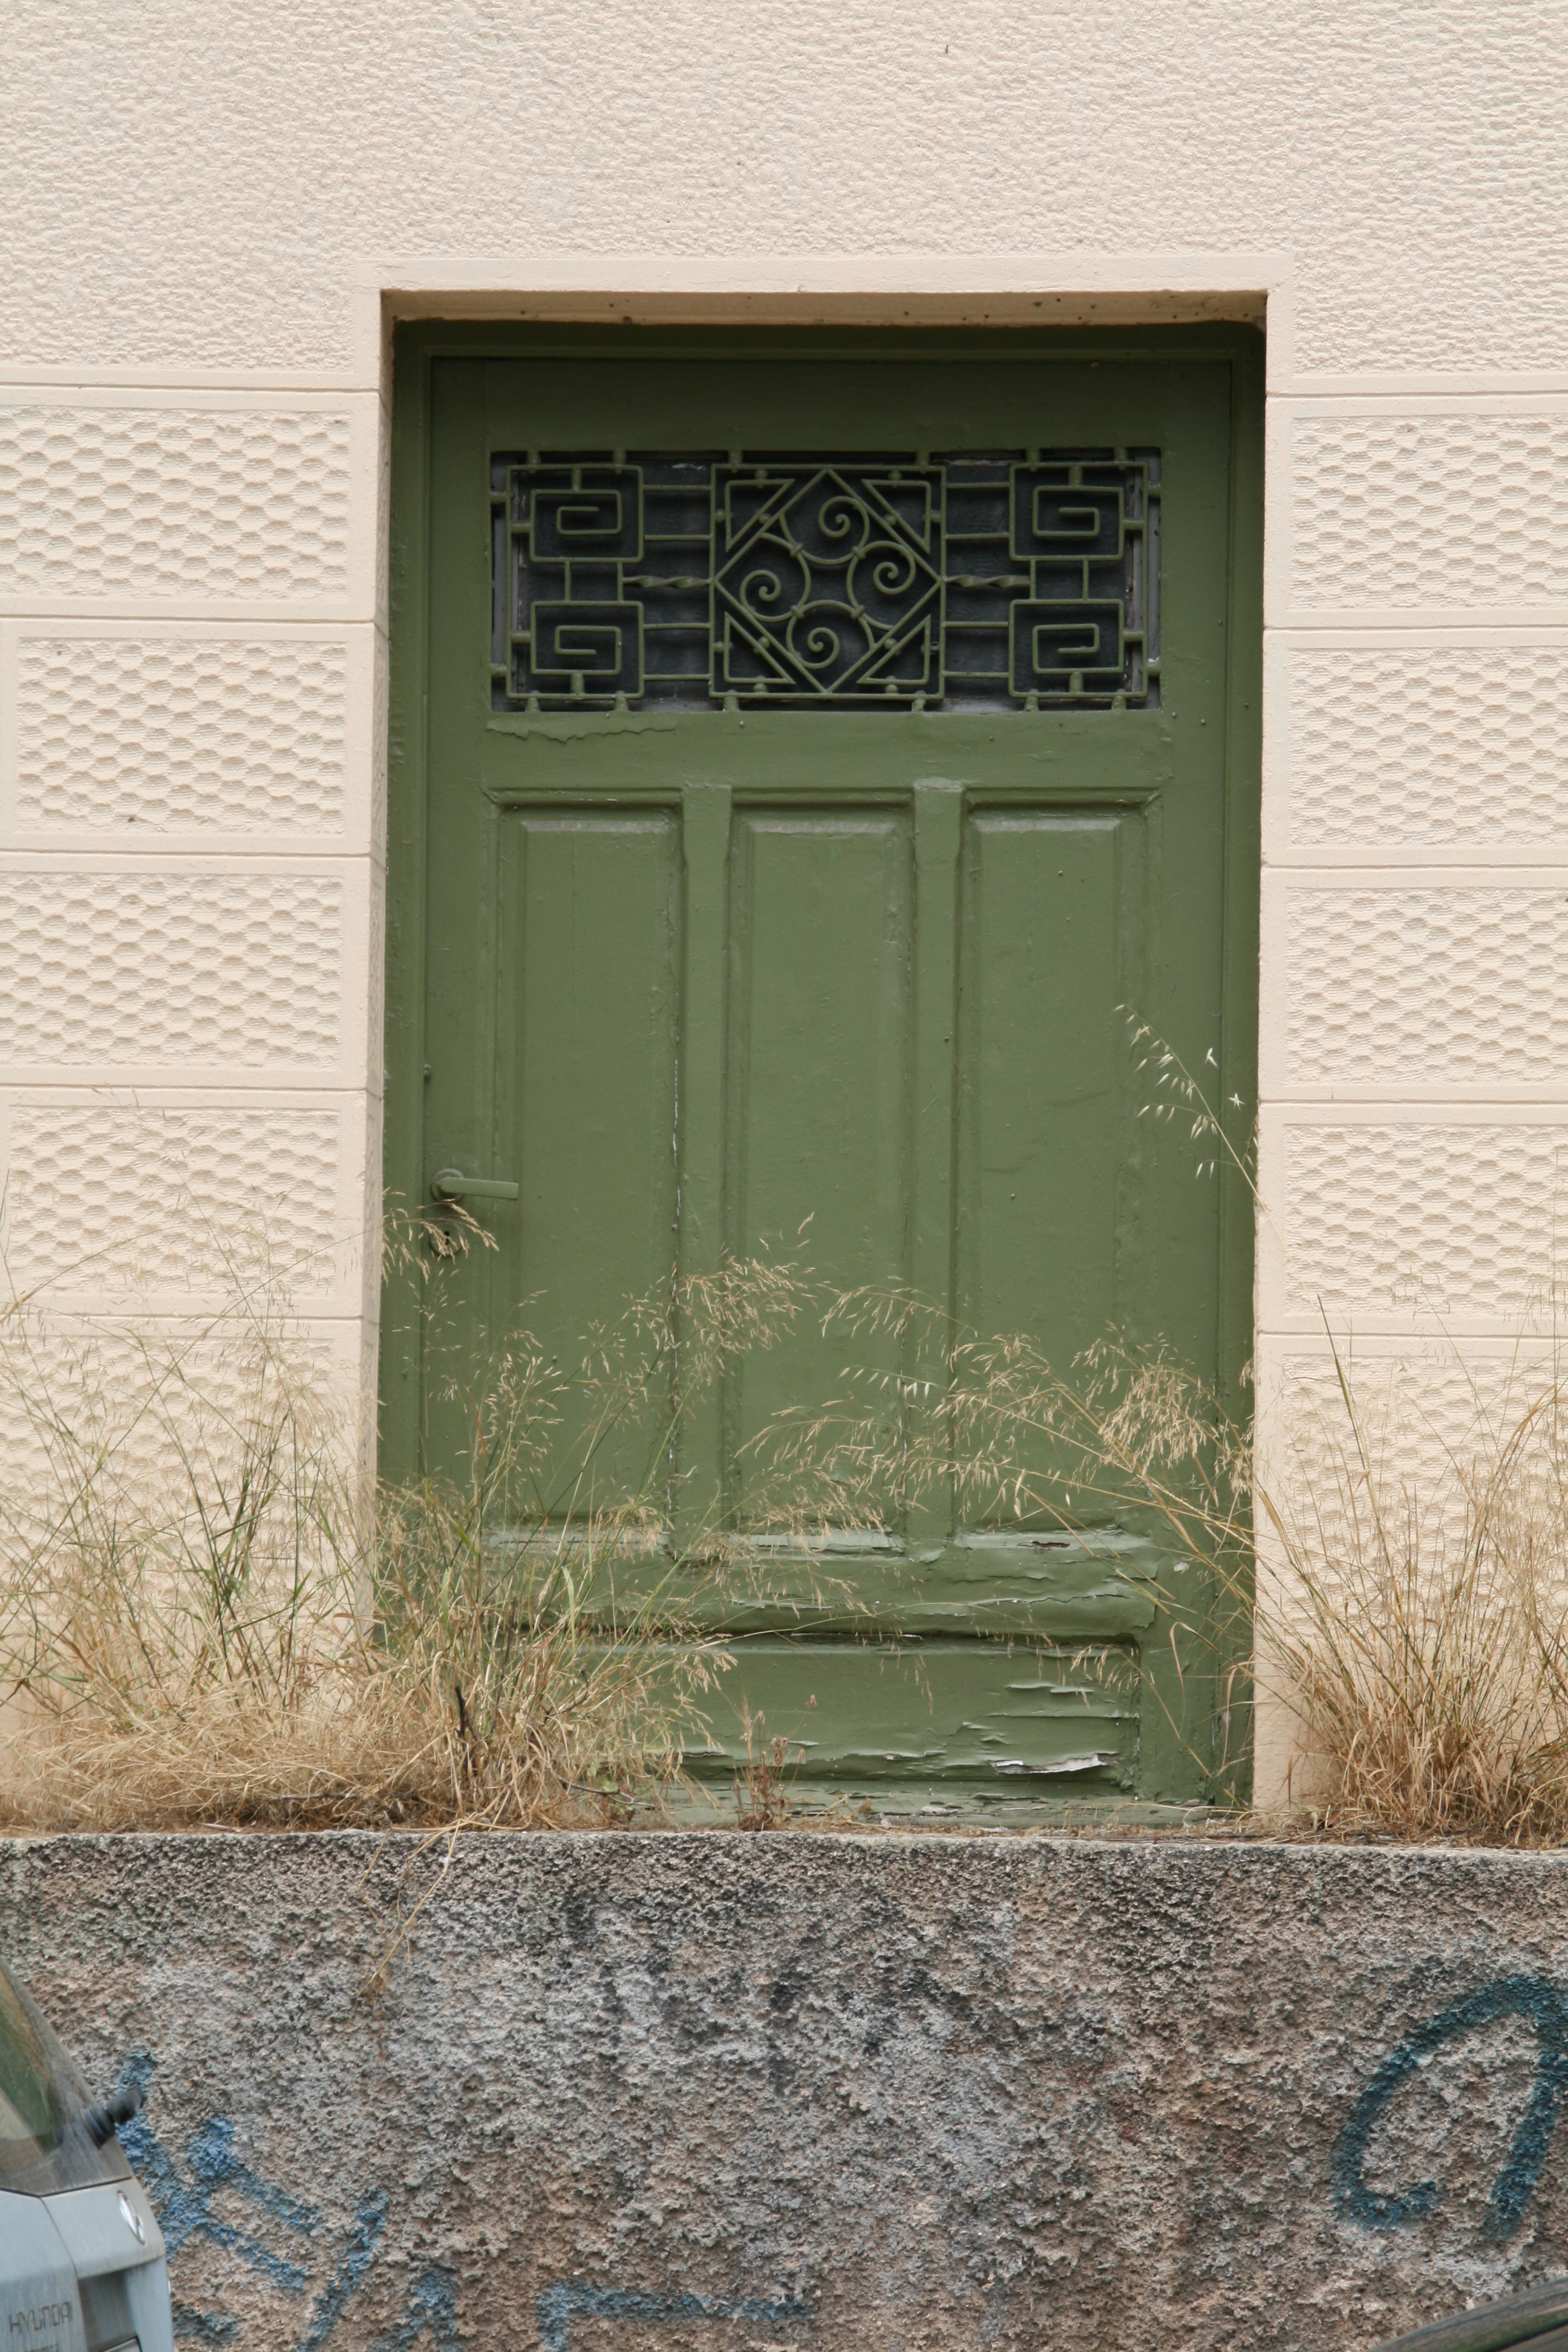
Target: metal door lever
{"type": "Point", "coordinates": [451, 1185]}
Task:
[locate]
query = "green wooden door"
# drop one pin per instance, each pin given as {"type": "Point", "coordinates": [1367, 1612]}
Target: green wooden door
{"type": "Point", "coordinates": [806, 761]}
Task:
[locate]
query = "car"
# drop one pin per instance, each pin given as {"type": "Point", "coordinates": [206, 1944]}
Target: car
{"type": "Point", "coordinates": [1538, 2317]}
{"type": "Point", "coordinates": [82, 2265]}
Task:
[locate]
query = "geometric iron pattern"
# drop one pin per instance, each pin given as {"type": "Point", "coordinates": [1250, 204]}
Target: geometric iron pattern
{"type": "Point", "coordinates": [1024, 579]}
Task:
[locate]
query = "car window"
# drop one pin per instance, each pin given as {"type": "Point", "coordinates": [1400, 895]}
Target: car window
{"type": "Point", "coordinates": [44, 2143]}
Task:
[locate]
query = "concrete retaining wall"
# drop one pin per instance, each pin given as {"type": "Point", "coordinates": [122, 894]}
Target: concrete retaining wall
{"type": "Point", "coordinates": [818, 2091]}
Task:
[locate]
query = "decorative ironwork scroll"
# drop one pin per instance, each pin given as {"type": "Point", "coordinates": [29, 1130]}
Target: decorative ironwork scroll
{"type": "Point", "coordinates": [836, 581]}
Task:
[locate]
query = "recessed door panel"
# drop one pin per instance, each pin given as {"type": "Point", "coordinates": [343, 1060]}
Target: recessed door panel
{"type": "Point", "coordinates": [951, 1719]}
{"type": "Point", "coordinates": [818, 1077]}
{"type": "Point", "coordinates": [586, 1109]}
{"type": "Point", "coordinates": [1043, 1072]}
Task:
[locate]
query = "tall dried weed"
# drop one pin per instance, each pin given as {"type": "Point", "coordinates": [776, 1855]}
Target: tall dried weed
{"type": "Point", "coordinates": [210, 1615]}
{"type": "Point", "coordinates": [1382, 1552]}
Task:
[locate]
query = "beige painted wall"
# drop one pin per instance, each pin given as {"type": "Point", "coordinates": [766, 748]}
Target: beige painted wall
{"type": "Point", "coordinates": [210, 214]}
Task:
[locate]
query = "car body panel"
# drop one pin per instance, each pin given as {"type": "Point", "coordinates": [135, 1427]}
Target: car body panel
{"type": "Point", "coordinates": [98, 2235]}
{"type": "Point", "coordinates": [38, 2293]}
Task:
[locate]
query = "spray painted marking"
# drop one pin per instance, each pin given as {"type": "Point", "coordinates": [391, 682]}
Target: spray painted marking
{"type": "Point", "coordinates": [569, 2297]}
{"type": "Point", "coordinates": [206, 2326]}
{"type": "Point", "coordinates": [433, 2304]}
{"type": "Point", "coordinates": [369, 2218]}
{"type": "Point", "coordinates": [1531, 1997]}
{"type": "Point", "coordinates": [183, 2192]}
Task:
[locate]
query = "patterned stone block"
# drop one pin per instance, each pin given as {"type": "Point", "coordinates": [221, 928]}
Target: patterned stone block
{"type": "Point", "coordinates": [1457, 1220]}
{"type": "Point", "coordinates": [180, 734]}
{"type": "Point", "coordinates": [174, 502]}
{"type": "Point", "coordinates": [1393, 513]}
{"type": "Point", "coordinates": [1453, 987]}
{"type": "Point", "coordinates": [142, 1197]}
{"type": "Point", "coordinates": [1430, 744]}
{"type": "Point", "coordinates": [235, 971]}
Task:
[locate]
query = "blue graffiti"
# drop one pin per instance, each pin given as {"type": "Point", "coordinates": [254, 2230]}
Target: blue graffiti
{"type": "Point", "coordinates": [1531, 1997]}
{"type": "Point", "coordinates": [183, 2193]}
{"type": "Point", "coordinates": [370, 2217]}
{"type": "Point", "coordinates": [433, 2304]}
{"type": "Point", "coordinates": [205, 2326]}
{"type": "Point", "coordinates": [558, 2303]}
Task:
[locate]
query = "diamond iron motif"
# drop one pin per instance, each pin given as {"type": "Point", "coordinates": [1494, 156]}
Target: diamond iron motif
{"type": "Point", "coordinates": [827, 583]}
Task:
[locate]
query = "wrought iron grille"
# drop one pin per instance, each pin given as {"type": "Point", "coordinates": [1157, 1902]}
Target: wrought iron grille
{"type": "Point", "coordinates": [832, 581]}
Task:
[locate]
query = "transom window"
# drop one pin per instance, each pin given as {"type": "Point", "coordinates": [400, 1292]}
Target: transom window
{"type": "Point", "coordinates": [1025, 579]}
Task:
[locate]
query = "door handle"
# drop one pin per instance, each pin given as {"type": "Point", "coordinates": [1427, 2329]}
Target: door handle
{"type": "Point", "coordinates": [451, 1185]}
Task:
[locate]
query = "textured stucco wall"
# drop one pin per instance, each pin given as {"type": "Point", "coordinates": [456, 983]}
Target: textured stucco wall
{"type": "Point", "coordinates": [851, 2091]}
{"type": "Point", "coordinates": [204, 209]}
{"type": "Point", "coordinates": [193, 193]}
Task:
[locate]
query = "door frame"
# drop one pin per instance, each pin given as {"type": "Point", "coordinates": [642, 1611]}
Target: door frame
{"type": "Point", "coordinates": [417, 346]}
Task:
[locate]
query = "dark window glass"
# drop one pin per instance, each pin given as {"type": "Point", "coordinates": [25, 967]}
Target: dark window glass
{"type": "Point", "coordinates": [44, 2145]}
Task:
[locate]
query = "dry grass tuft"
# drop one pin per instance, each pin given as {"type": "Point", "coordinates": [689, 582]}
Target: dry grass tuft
{"type": "Point", "coordinates": [1416, 1615]}
{"type": "Point", "coordinates": [1387, 1555]}
{"type": "Point", "coordinates": [210, 1617]}
{"type": "Point", "coordinates": [762, 1788]}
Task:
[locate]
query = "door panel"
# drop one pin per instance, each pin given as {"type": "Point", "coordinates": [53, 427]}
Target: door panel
{"type": "Point", "coordinates": [944, 1722]}
{"type": "Point", "coordinates": [1046, 1110]}
{"type": "Point", "coordinates": [784, 846]}
{"type": "Point", "coordinates": [818, 1077]}
{"type": "Point", "coordinates": [589, 1006]}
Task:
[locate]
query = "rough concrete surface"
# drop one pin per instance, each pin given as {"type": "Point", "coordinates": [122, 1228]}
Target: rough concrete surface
{"type": "Point", "coordinates": [819, 2091]}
